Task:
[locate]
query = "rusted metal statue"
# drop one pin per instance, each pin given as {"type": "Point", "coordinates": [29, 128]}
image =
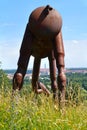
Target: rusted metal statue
{"type": "Point", "coordinates": [43, 38]}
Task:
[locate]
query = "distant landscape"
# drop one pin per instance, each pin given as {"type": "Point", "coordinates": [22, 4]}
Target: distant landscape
{"type": "Point", "coordinates": [67, 70]}
{"type": "Point", "coordinates": [74, 76]}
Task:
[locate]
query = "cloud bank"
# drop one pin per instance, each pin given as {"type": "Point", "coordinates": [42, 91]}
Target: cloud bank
{"type": "Point", "coordinates": [75, 54]}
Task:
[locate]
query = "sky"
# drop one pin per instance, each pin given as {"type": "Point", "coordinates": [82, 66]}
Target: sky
{"type": "Point", "coordinates": [14, 16]}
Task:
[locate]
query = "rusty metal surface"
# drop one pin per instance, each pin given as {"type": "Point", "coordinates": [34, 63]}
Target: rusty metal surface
{"type": "Point", "coordinates": [43, 38]}
{"type": "Point", "coordinates": [45, 22]}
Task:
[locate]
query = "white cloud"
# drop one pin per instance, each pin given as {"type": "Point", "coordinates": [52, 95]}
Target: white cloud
{"type": "Point", "coordinates": [6, 24]}
{"type": "Point", "coordinates": [75, 54]}
{"type": "Point", "coordinates": [67, 29]}
{"type": "Point", "coordinates": [74, 41]}
{"type": "Point", "coordinates": [9, 54]}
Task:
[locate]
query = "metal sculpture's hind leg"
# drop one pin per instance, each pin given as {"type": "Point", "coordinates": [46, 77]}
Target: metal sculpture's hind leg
{"type": "Point", "coordinates": [59, 55]}
{"type": "Point", "coordinates": [38, 87]}
{"type": "Point", "coordinates": [25, 53]}
{"type": "Point", "coordinates": [52, 64]}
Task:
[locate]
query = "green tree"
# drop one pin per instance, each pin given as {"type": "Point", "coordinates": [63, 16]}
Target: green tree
{"type": "Point", "coordinates": [4, 81]}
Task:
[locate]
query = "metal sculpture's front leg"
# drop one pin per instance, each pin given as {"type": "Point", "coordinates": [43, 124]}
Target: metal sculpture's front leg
{"type": "Point", "coordinates": [25, 53]}
{"type": "Point", "coordinates": [59, 55]}
{"type": "Point", "coordinates": [52, 64]}
{"type": "Point", "coordinates": [20, 73]}
{"type": "Point", "coordinates": [38, 87]}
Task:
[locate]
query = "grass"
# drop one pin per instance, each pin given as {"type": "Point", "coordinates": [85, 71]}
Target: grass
{"type": "Point", "coordinates": [29, 112]}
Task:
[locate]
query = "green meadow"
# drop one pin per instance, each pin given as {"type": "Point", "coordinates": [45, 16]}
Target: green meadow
{"type": "Point", "coordinates": [26, 111]}
{"type": "Point", "coordinates": [29, 112]}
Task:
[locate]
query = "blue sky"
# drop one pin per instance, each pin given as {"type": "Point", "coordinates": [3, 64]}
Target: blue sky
{"type": "Point", "coordinates": [14, 16]}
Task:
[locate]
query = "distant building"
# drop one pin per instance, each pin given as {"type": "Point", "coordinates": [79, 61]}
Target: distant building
{"type": "Point", "coordinates": [45, 71]}
{"type": "Point", "coordinates": [76, 70]}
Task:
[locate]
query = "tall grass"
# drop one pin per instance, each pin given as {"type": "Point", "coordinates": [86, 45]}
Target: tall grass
{"type": "Point", "coordinates": [31, 112]}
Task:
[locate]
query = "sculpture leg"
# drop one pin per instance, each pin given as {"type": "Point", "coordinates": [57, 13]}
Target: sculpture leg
{"type": "Point", "coordinates": [38, 87]}
{"type": "Point", "coordinates": [25, 53]}
{"type": "Point", "coordinates": [52, 64]}
{"type": "Point", "coordinates": [59, 55]}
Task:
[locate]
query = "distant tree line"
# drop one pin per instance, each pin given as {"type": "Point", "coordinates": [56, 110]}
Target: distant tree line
{"type": "Point", "coordinates": [80, 78]}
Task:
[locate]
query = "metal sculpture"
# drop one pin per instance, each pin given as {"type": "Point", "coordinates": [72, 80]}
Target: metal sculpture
{"type": "Point", "coordinates": [43, 38]}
